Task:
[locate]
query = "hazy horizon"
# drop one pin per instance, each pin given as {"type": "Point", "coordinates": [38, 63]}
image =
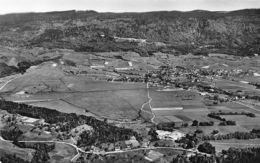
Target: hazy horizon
{"type": "Point", "coordinates": [25, 6]}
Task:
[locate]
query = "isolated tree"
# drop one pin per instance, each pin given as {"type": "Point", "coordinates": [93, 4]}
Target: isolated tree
{"type": "Point", "coordinates": [153, 134]}
{"type": "Point", "coordinates": [215, 132]}
{"type": "Point", "coordinates": [195, 123]}
{"type": "Point", "coordinates": [198, 131]}
{"type": "Point", "coordinates": [206, 147]}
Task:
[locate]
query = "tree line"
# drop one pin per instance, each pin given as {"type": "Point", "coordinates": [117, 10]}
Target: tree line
{"type": "Point", "coordinates": [224, 121]}
{"type": "Point", "coordinates": [235, 135]}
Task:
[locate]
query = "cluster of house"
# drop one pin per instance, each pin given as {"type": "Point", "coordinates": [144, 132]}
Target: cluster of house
{"type": "Point", "coordinates": [121, 145]}
{"type": "Point", "coordinates": [23, 119]}
{"type": "Point", "coordinates": [132, 143]}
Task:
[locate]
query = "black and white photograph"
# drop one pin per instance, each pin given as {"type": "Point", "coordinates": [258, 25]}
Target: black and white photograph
{"type": "Point", "coordinates": [129, 81]}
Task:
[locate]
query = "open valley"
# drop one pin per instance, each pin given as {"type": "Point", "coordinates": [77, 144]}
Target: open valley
{"type": "Point", "coordinates": [164, 87]}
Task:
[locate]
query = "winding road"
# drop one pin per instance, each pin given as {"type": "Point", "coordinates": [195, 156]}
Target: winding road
{"type": "Point", "coordinates": [150, 100]}
{"type": "Point", "coordinates": [2, 87]}
{"type": "Point", "coordinates": [246, 105]}
{"type": "Point", "coordinates": [149, 103]}
{"type": "Point", "coordinates": [16, 76]}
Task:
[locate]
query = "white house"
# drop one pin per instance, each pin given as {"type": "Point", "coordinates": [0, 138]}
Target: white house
{"type": "Point", "coordinates": [166, 135]}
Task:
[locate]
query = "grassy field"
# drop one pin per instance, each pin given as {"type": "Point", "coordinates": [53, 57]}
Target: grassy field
{"type": "Point", "coordinates": [164, 98]}
{"type": "Point", "coordinates": [164, 119]}
{"type": "Point", "coordinates": [63, 106]}
{"type": "Point", "coordinates": [241, 106]}
{"type": "Point", "coordinates": [36, 136]}
{"type": "Point", "coordinates": [244, 121]}
{"type": "Point", "coordinates": [75, 94]}
{"type": "Point", "coordinates": [183, 117]}
{"type": "Point", "coordinates": [175, 98]}
{"type": "Point", "coordinates": [9, 148]}
{"type": "Point", "coordinates": [217, 108]}
{"type": "Point", "coordinates": [191, 103]}
{"type": "Point", "coordinates": [62, 153]}
{"type": "Point", "coordinates": [51, 79]}
{"type": "Point", "coordinates": [234, 86]}
{"type": "Point", "coordinates": [113, 104]}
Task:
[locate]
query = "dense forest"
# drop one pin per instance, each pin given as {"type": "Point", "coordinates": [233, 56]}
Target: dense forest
{"type": "Point", "coordinates": [198, 32]}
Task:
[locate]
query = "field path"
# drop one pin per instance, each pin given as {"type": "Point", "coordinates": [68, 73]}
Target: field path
{"type": "Point", "coordinates": [2, 87]}
{"type": "Point", "coordinates": [5, 84]}
{"type": "Point", "coordinates": [251, 107]}
{"type": "Point", "coordinates": [34, 101]}
{"type": "Point", "coordinates": [149, 102]}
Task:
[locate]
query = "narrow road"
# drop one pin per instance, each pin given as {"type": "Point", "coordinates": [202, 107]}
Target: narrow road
{"type": "Point", "coordinates": [79, 150]}
{"type": "Point", "coordinates": [32, 101]}
{"type": "Point", "coordinates": [143, 105]}
{"type": "Point", "coordinates": [150, 100]}
{"type": "Point", "coordinates": [150, 148]}
{"type": "Point", "coordinates": [2, 87]}
{"type": "Point", "coordinates": [251, 107]}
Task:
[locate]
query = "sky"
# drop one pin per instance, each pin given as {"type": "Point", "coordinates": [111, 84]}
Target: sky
{"type": "Point", "coordinates": [17, 6]}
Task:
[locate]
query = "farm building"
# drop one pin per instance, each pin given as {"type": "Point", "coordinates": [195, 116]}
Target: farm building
{"type": "Point", "coordinates": [132, 143]}
{"type": "Point", "coordinates": [124, 66]}
{"type": "Point", "coordinates": [97, 63]}
{"type": "Point", "coordinates": [168, 108]}
{"type": "Point", "coordinates": [33, 121]}
{"type": "Point", "coordinates": [153, 155]}
{"type": "Point", "coordinates": [166, 135]}
{"type": "Point", "coordinates": [256, 74]}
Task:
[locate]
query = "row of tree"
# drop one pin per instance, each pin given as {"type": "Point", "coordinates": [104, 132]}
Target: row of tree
{"type": "Point", "coordinates": [249, 114]}
{"type": "Point", "coordinates": [236, 135]}
{"type": "Point", "coordinates": [217, 115]}
{"type": "Point", "coordinates": [197, 123]}
{"type": "Point", "coordinates": [227, 123]}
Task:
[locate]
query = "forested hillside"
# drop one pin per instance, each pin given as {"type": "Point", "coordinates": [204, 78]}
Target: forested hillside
{"type": "Point", "coordinates": [198, 32]}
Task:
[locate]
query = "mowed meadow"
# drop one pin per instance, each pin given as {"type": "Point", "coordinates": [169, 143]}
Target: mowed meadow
{"type": "Point", "coordinates": [179, 106]}
{"type": "Point", "coordinates": [48, 86]}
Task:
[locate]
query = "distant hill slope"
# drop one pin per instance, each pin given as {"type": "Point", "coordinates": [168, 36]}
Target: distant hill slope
{"type": "Point", "coordinates": [199, 32]}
